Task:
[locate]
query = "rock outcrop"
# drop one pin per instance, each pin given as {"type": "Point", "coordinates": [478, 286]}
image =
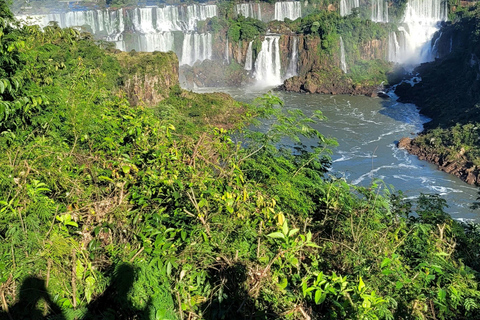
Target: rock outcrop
{"type": "Point", "coordinates": [149, 76]}
{"type": "Point", "coordinates": [459, 166]}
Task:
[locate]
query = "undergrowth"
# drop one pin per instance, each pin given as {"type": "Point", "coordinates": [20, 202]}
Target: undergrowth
{"type": "Point", "coordinates": [114, 211]}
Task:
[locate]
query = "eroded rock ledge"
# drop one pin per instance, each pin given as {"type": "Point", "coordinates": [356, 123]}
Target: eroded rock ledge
{"type": "Point", "coordinates": [315, 83]}
{"type": "Point", "coordinates": [459, 167]}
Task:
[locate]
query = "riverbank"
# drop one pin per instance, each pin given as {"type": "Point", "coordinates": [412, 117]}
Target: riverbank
{"type": "Point", "coordinates": [458, 166]}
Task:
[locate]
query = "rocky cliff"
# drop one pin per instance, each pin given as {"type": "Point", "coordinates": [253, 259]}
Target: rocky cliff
{"type": "Point", "coordinates": [149, 76]}
{"type": "Point", "coordinates": [320, 70]}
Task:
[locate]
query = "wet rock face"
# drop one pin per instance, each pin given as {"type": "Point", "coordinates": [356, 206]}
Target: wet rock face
{"type": "Point", "coordinates": [459, 167]}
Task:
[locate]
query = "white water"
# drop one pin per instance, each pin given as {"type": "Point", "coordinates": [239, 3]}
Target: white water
{"type": "Point", "coordinates": [346, 6]}
{"type": "Point", "coordinates": [153, 26]}
{"type": "Point", "coordinates": [421, 21]}
{"type": "Point", "coordinates": [343, 63]}
{"type": "Point", "coordinates": [196, 47]}
{"type": "Point", "coordinates": [379, 11]}
{"type": "Point", "coordinates": [150, 42]}
{"type": "Point", "coordinates": [288, 9]}
{"type": "Point", "coordinates": [227, 53]}
{"type": "Point", "coordinates": [367, 130]}
{"type": "Point", "coordinates": [267, 65]}
{"type": "Point", "coordinates": [249, 57]}
{"type": "Point", "coordinates": [293, 64]}
{"type": "Point", "coordinates": [249, 10]}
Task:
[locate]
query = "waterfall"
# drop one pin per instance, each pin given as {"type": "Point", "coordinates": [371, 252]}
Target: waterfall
{"type": "Point", "coordinates": [153, 27]}
{"type": "Point", "coordinates": [227, 53]}
{"type": "Point", "coordinates": [419, 24]}
{"type": "Point", "coordinates": [288, 9]}
{"type": "Point", "coordinates": [293, 65]}
{"type": "Point", "coordinates": [249, 10]}
{"type": "Point", "coordinates": [434, 50]}
{"type": "Point", "coordinates": [267, 65]}
{"type": "Point", "coordinates": [249, 57]}
{"type": "Point", "coordinates": [193, 13]}
{"type": "Point", "coordinates": [196, 47]}
{"type": "Point", "coordinates": [346, 6]}
{"type": "Point", "coordinates": [168, 19]}
{"type": "Point", "coordinates": [142, 20]}
{"type": "Point", "coordinates": [393, 47]}
{"type": "Point", "coordinates": [171, 18]}
{"type": "Point", "coordinates": [379, 11]}
{"type": "Point", "coordinates": [156, 42]}
{"type": "Point", "coordinates": [343, 64]}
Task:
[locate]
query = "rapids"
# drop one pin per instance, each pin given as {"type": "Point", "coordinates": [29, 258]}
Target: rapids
{"type": "Point", "coordinates": [367, 130]}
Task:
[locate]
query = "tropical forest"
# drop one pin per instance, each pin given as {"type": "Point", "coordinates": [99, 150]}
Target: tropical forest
{"type": "Point", "coordinates": [302, 160]}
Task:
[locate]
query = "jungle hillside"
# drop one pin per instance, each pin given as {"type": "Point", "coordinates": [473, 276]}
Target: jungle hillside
{"type": "Point", "coordinates": [124, 196]}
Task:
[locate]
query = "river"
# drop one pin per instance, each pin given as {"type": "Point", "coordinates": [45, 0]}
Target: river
{"type": "Point", "coordinates": [367, 130]}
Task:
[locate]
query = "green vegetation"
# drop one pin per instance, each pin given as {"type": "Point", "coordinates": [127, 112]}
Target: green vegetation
{"type": "Point", "coordinates": [179, 211]}
{"type": "Point", "coordinates": [245, 29]}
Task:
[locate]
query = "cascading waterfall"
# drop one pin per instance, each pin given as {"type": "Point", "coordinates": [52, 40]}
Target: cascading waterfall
{"type": "Point", "coordinates": [143, 21]}
{"type": "Point", "coordinates": [434, 51]}
{"type": "Point", "coordinates": [249, 57]}
{"type": "Point", "coordinates": [379, 11]}
{"type": "Point", "coordinates": [393, 47]}
{"type": "Point", "coordinates": [293, 65]}
{"type": "Point", "coordinates": [196, 47]}
{"type": "Point", "coordinates": [346, 6]}
{"type": "Point", "coordinates": [227, 53]}
{"type": "Point", "coordinates": [267, 65]}
{"type": "Point", "coordinates": [288, 9]}
{"type": "Point", "coordinates": [343, 63]}
{"type": "Point", "coordinates": [150, 42]}
{"type": "Point", "coordinates": [153, 26]}
{"type": "Point", "coordinates": [249, 10]}
{"type": "Point", "coordinates": [419, 24]}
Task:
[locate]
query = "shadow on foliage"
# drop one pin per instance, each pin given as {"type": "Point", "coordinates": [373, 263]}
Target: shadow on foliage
{"type": "Point", "coordinates": [32, 292]}
{"type": "Point", "coordinates": [231, 299]}
{"type": "Point", "coordinates": [114, 303]}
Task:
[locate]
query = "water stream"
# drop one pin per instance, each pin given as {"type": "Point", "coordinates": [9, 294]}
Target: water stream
{"type": "Point", "coordinates": [367, 130]}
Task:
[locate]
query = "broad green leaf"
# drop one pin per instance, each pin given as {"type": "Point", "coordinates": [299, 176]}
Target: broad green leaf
{"type": "Point", "coordinates": [276, 235]}
{"type": "Point", "coordinates": [385, 262]}
{"type": "Point", "coordinates": [361, 285]}
{"type": "Point", "coordinates": [285, 228]}
{"type": "Point", "coordinates": [89, 287]}
{"type": "Point", "coordinates": [399, 285]}
{"type": "Point", "coordinates": [283, 283]}
{"type": "Point", "coordinates": [79, 270]}
{"type": "Point", "coordinates": [292, 232]}
{"type": "Point", "coordinates": [320, 296]}
{"type": "Point", "coordinates": [105, 178]}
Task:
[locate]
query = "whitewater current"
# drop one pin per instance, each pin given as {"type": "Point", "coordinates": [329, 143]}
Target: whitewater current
{"type": "Point", "coordinates": [367, 130]}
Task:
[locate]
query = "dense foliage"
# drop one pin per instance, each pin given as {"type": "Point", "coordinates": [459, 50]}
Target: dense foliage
{"type": "Point", "coordinates": [115, 211]}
